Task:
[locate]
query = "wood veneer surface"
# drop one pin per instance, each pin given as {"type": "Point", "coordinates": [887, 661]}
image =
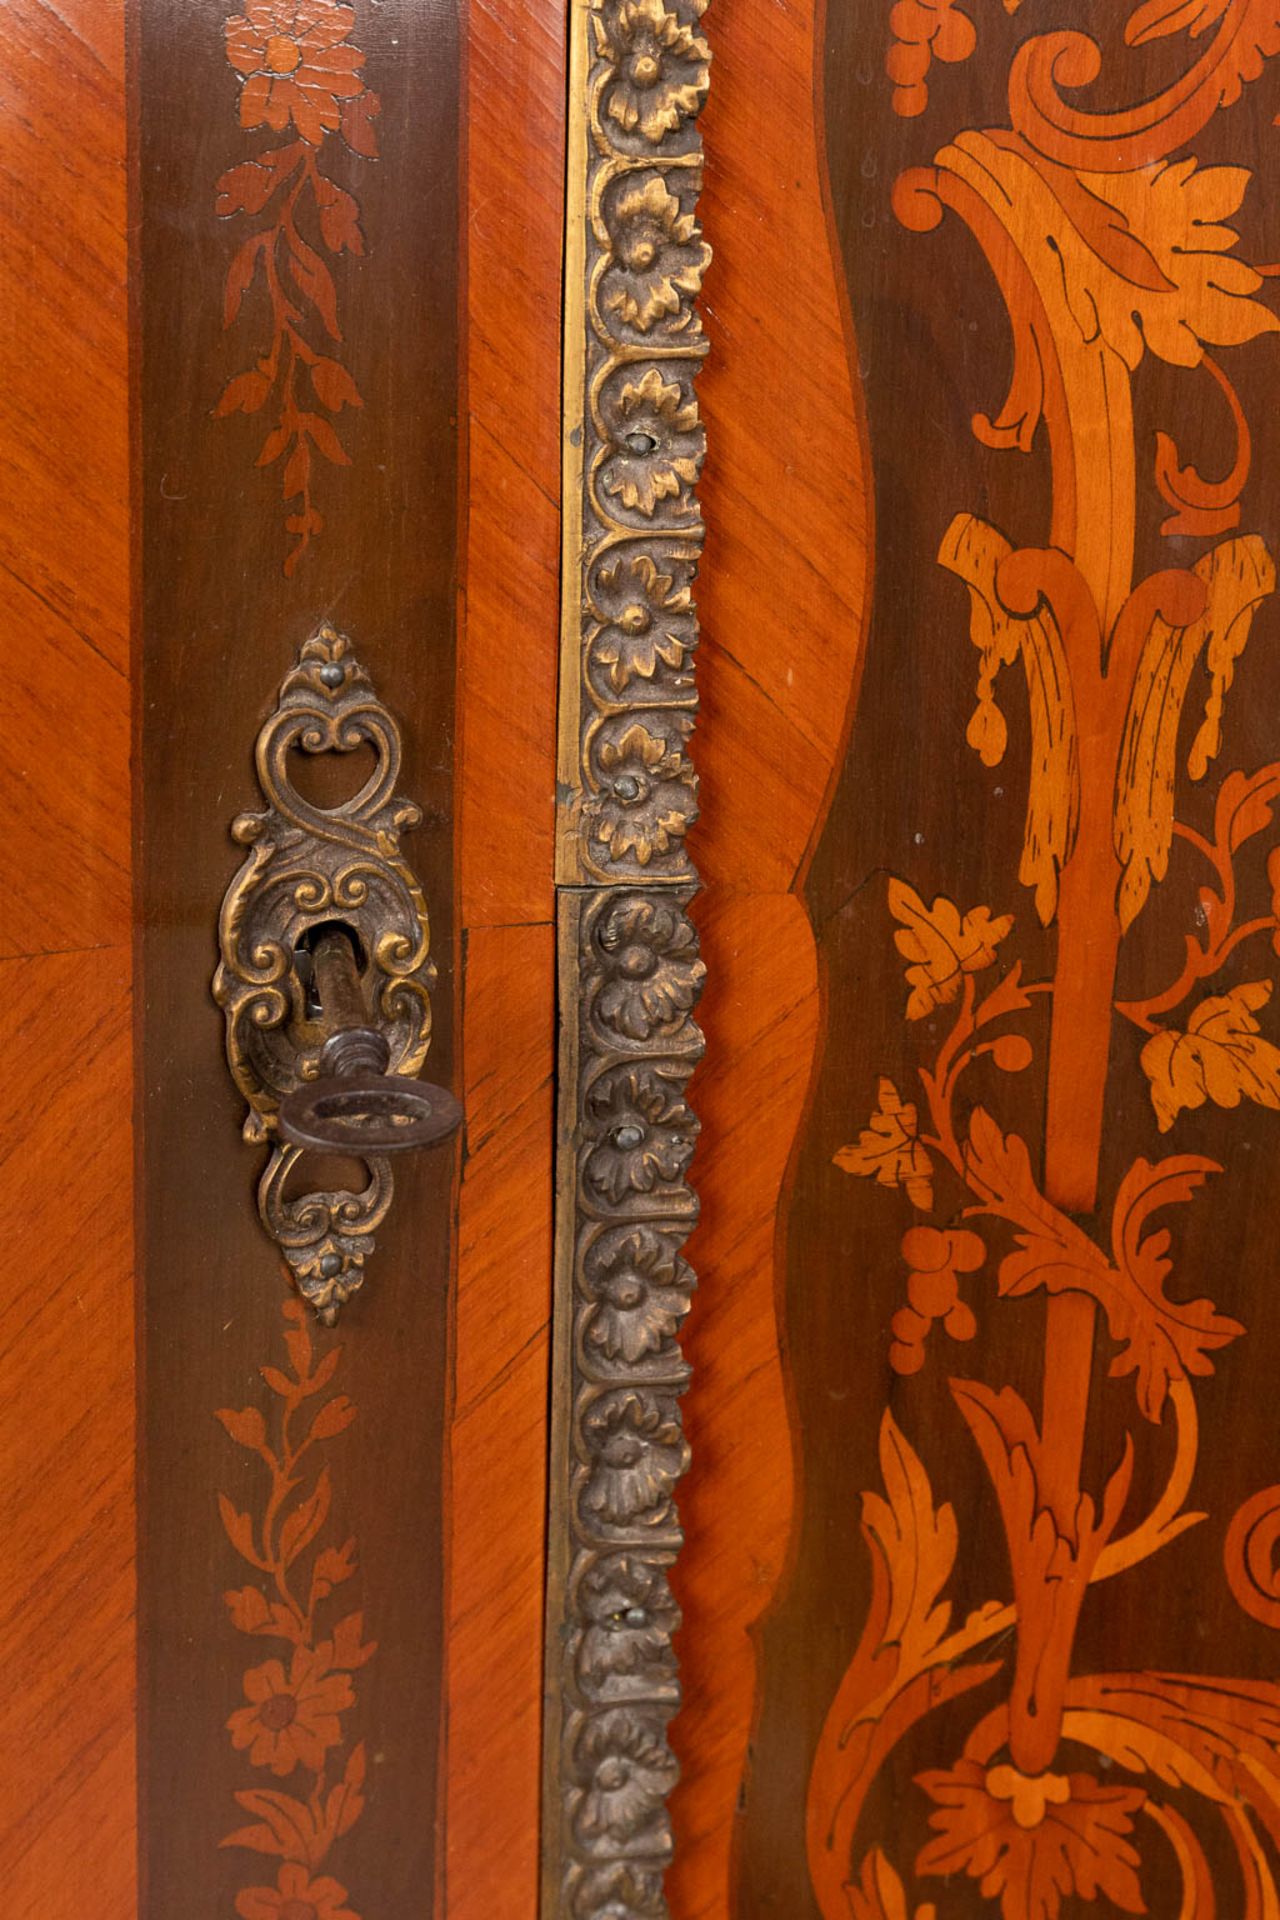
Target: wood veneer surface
{"type": "Point", "coordinates": [508, 654]}
{"type": "Point", "coordinates": [781, 600]}
{"type": "Point", "coordinates": [68, 559]}
{"type": "Point", "coordinates": [221, 622]}
{"type": "Point", "coordinates": [1156, 1483]}
{"type": "Point", "coordinates": [67, 1827]}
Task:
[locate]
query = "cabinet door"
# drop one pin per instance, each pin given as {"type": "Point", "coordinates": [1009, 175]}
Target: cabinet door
{"type": "Point", "coordinates": [873, 1513]}
{"type": "Point", "coordinates": [275, 1459]}
{"type": "Point", "coordinates": [978, 1576]}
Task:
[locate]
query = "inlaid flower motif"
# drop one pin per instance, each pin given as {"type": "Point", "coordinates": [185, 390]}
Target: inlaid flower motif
{"type": "Point", "coordinates": [659, 258]}
{"type": "Point", "coordinates": [1063, 1834]}
{"type": "Point", "coordinates": [657, 444]}
{"type": "Point", "coordinates": [294, 64]}
{"type": "Point", "coordinates": [646, 803]}
{"type": "Point", "coordinates": [648, 619]}
{"type": "Point", "coordinates": [291, 1718]}
{"type": "Point", "coordinates": [295, 1896]}
{"type": "Point", "coordinates": [649, 956]}
{"type": "Point", "coordinates": [641, 1287]}
{"type": "Point", "coordinates": [637, 1454]}
{"type": "Point", "coordinates": [645, 1134]}
{"type": "Point", "coordinates": [628, 1770]}
{"type": "Point", "coordinates": [631, 1617]}
{"type": "Point", "coordinates": [662, 67]}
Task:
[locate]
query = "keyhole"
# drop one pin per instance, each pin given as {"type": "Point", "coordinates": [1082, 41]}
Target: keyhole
{"type": "Point", "coordinates": [302, 959]}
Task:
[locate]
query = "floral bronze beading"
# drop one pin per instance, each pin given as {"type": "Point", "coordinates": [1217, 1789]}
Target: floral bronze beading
{"type": "Point", "coordinates": [630, 968]}
{"type": "Point", "coordinates": [637, 449]}
{"type": "Point", "coordinates": [634, 973]}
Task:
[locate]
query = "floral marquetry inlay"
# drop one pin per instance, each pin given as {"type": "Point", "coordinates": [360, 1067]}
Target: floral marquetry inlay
{"type": "Point", "coordinates": [301, 81]}
{"type": "Point", "coordinates": [305, 1773]}
{"type": "Point", "coordinates": [1116, 250]}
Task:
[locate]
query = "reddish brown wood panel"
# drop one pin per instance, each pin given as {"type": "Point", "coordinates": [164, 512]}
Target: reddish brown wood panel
{"type": "Point", "coordinates": [1022, 1659]}
{"type": "Point", "coordinates": [498, 1428]}
{"type": "Point", "coordinates": [69, 1508]}
{"type": "Point", "coordinates": [513, 244]}
{"type": "Point", "coordinates": [508, 653]}
{"type": "Point", "coordinates": [67, 1828]}
{"type": "Point", "coordinates": [781, 605]}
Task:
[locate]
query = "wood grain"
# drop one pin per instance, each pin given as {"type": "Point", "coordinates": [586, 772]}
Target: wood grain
{"type": "Point", "coordinates": [514, 236]}
{"type": "Point", "coordinates": [995, 1427]}
{"type": "Point", "coordinates": [66, 1436]}
{"type": "Point", "coordinates": [67, 1828]}
{"type": "Point", "coordinates": [781, 598]}
{"type": "Point", "coordinates": [760, 1017]}
{"type": "Point", "coordinates": [68, 1812]}
{"type": "Point", "coordinates": [507, 662]}
{"type": "Point", "coordinates": [221, 621]}
{"type": "Point", "coordinates": [498, 1431]}
{"type": "Point", "coordinates": [783, 589]}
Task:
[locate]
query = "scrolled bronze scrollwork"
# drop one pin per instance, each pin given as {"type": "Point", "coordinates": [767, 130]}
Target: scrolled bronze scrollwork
{"type": "Point", "coordinates": [309, 867]}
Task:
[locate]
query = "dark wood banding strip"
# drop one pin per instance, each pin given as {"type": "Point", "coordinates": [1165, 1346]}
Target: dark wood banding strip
{"type": "Point", "coordinates": [374, 274]}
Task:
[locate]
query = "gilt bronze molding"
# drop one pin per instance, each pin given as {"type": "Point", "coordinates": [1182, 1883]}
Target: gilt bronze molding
{"type": "Point", "coordinates": [309, 867]}
{"type": "Point", "coordinates": [634, 444]}
{"type": "Point", "coordinates": [630, 971]}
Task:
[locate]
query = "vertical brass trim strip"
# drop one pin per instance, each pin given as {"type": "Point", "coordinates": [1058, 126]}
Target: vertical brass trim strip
{"type": "Point", "coordinates": [630, 972]}
{"type": "Point", "coordinates": [573, 414]}
{"type": "Point", "coordinates": [634, 445]}
{"type": "Point", "coordinates": [623, 1287]}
